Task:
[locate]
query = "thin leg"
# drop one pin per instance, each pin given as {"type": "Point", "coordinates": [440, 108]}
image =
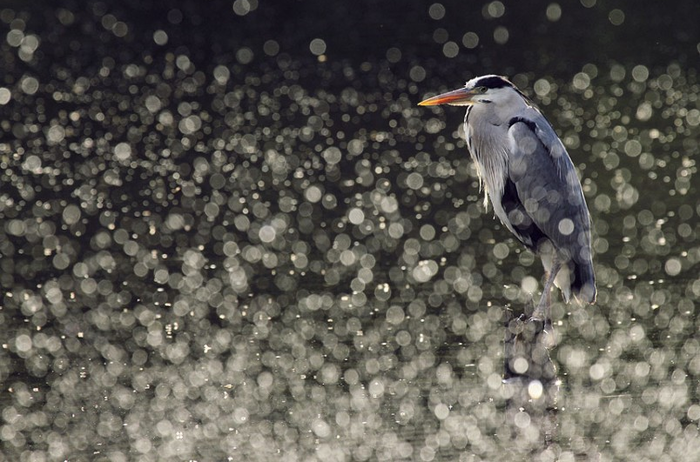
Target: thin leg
{"type": "Point", "coordinates": [541, 311]}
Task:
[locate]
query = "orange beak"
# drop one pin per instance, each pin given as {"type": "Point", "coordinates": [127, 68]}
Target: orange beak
{"type": "Point", "coordinates": [461, 97]}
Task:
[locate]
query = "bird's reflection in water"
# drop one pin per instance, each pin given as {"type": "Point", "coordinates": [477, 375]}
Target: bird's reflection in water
{"type": "Point", "coordinates": [531, 385]}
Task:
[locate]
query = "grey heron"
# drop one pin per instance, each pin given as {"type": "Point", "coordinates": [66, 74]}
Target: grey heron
{"type": "Point", "coordinates": [529, 178]}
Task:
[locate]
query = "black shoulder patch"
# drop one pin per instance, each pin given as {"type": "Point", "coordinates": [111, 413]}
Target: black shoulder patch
{"type": "Point", "coordinates": [529, 123]}
{"type": "Point", "coordinates": [493, 81]}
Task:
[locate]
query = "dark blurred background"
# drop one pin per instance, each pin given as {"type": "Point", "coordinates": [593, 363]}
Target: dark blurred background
{"type": "Point", "coordinates": [539, 36]}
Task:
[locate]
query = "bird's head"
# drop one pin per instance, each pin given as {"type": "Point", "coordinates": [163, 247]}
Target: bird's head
{"type": "Point", "coordinates": [485, 89]}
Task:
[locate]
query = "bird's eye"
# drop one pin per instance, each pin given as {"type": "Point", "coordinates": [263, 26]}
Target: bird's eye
{"type": "Point", "coordinates": [483, 89]}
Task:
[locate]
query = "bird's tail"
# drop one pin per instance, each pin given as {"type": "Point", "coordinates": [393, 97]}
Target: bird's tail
{"type": "Point", "coordinates": [583, 282]}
